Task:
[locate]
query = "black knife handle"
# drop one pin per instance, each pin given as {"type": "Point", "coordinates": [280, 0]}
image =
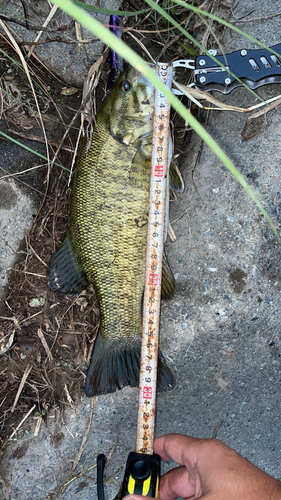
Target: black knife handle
{"type": "Point", "coordinates": [252, 67]}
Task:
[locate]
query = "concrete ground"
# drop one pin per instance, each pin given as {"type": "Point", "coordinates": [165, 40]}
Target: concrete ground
{"type": "Point", "coordinates": [69, 62]}
{"type": "Point", "coordinates": [220, 332]}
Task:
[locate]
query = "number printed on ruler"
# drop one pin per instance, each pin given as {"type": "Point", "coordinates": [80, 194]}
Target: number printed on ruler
{"type": "Point", "coordinates": [154, 268]}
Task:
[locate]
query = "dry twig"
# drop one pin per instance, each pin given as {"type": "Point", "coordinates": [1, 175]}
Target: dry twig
{"type": "Point", "coordinates": [22, 421]}
{"type": "Point", "coordinates": [255, 19]}
{"type": "Point", "coordinates": [45, 24]}
{"type": "Point", "coordinates": [23, 380]}
{"type": "Point", "coordinates": [45, 345]}
{"type": "Point", "coordinates": [85, 436]}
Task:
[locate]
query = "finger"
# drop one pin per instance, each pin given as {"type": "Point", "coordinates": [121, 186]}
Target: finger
{"type": "Point", "coordinates": [178, 482]}
{"type": "Point", "coordinates": [175, 483]}
{"type": "Point", "coordinates": [177, 447]}
{"type": "Point", "coordinates": [137, 497]}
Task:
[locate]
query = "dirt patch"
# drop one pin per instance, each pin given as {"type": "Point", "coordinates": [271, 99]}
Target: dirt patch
{"type": "Point", "coordinates": [53, 333]}
{"type": "Point", "coordinates": [46, 338]}
{"type": "Point", "coordinates": [8, 196]}
{"type": "Point", "coordinates": [237, 279]}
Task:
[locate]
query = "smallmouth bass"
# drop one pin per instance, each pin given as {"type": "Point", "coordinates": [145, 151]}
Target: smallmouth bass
{"type": "Point", "coordinates": [106, 239]}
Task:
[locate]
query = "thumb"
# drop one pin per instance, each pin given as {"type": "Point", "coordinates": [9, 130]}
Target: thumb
{"type": "Point", "coordinates": [137, 497]}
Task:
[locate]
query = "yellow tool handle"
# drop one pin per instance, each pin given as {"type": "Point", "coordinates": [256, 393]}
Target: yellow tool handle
{"type": "Point", "coordinates": [142, 475]}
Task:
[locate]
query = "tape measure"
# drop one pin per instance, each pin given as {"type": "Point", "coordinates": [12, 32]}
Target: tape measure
{"type": "Point", "coordinates": [154, 256]}
{"type": "Point", "coordinates": [142, 472]}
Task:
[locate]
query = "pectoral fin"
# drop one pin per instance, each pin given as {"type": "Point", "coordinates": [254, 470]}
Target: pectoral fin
{"type": "Point", "coordinates": [168, 280]}
{"type": "Point", "coordinates": [176, 180]}
{"type": "Point", "coordinates": [64, 272]}
{"type": "Point", "coordinates": [139, 176]}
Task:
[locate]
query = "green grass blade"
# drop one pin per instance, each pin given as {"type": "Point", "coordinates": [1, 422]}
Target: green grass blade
{"type": "Point", "coordinates": [21, 145]}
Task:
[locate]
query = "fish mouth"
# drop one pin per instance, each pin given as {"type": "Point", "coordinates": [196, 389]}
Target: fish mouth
{"type": "Point", "coordinates": [142, 120]}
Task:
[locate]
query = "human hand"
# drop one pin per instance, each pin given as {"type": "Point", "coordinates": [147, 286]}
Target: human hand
{"type": "Point", "coordinates": [211, 470]}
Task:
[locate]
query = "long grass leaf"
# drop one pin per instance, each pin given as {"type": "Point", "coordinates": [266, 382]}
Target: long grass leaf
{"type": "Point", "coordinates": [21, 145]}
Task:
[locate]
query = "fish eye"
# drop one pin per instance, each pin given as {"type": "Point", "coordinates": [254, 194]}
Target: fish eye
{"type": "Point", "coordinates": [126, 86]}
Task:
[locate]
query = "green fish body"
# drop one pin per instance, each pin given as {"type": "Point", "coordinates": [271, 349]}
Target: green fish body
{"type": "Point", "coordinates": [106, 240]}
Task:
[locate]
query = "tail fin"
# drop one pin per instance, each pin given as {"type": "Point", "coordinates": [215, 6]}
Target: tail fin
{"type": "Point", "coordinates": [114, 366]}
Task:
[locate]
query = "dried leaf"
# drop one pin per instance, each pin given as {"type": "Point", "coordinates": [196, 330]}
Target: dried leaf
{"type": "Point", "coordinates": [37, 302]}
{"type": "Point", "coordinates": [69, 91]}
{"type": "Point", "coordinates": [195, 94]}
{"type": "Point", "coordinates": [6, 341]}
{"type": "Point", "coordinates": [220, 381]}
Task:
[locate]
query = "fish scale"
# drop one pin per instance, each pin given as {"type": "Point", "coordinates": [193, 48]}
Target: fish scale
{"type": "Point", "coordinates": [110, 247]}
